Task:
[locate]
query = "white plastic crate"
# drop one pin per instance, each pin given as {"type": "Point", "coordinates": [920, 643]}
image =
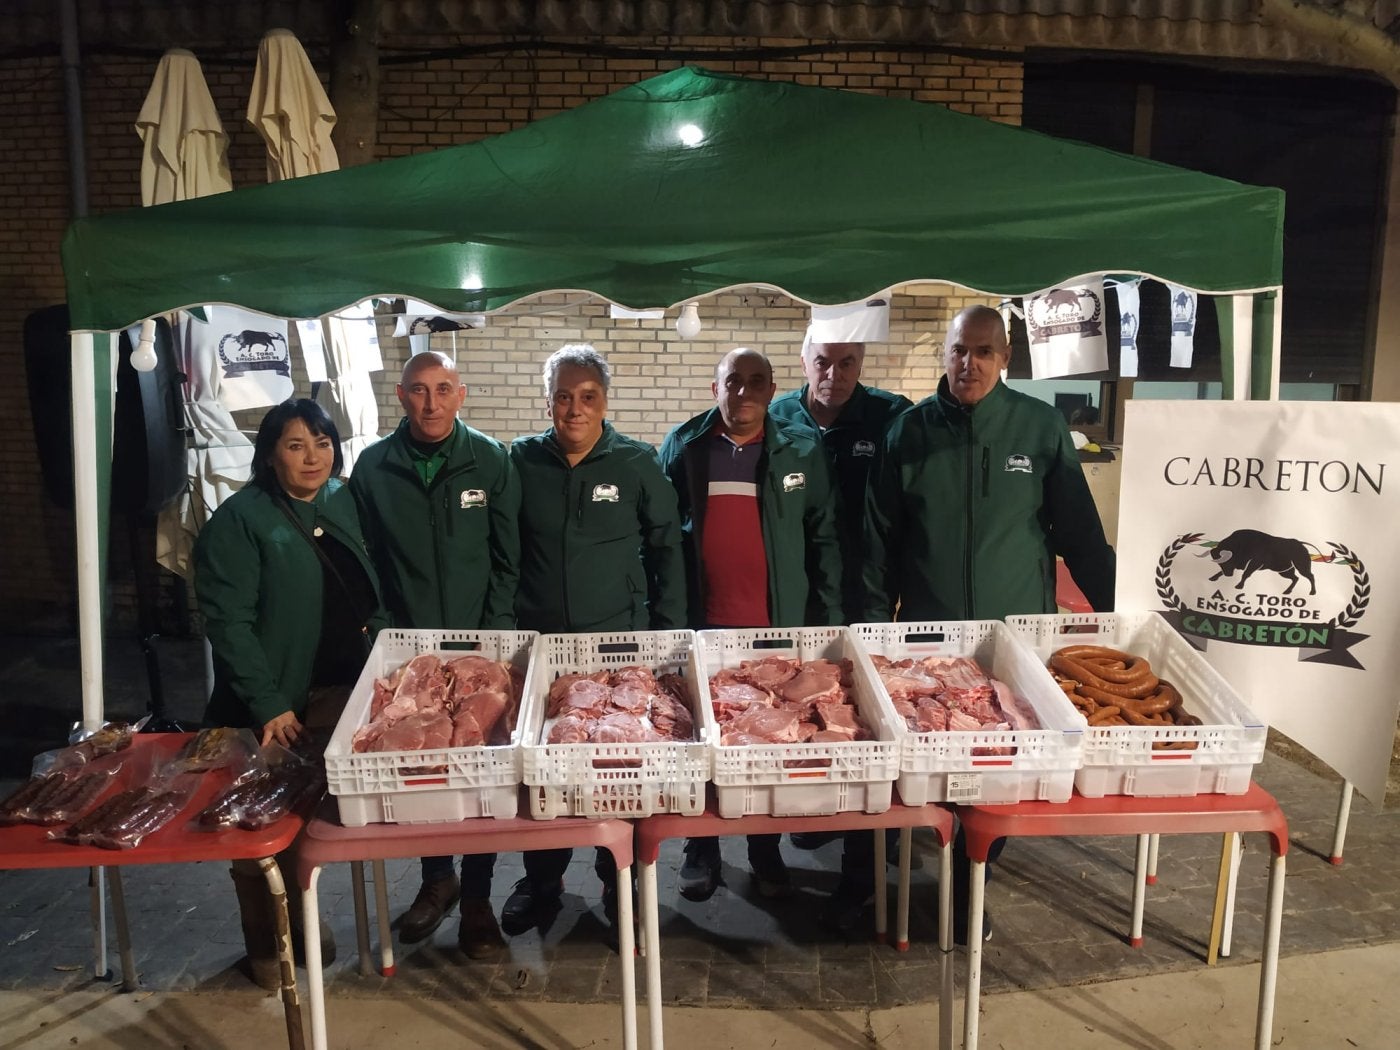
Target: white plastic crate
{"type": "Point", "coordinates": [958, 766]}
{"type": "Point", "coordinates": [612, 780]}
{"type": "Point", "coordinates": [1120, 760]}
{"type": "Point", "coordinates": [434, 785]}
{"type": "Point", "coordinates": [811, 779]}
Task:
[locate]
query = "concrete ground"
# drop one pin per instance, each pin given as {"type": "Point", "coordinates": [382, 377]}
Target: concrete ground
{"type": "Point", "coordinates": [737, 971]}
{"type": "Point", "coordinates": [1342, 999]}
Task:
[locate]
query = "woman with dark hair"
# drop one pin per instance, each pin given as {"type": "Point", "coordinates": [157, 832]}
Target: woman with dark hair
{"type": "Point", "coordinates": [284, 583]}
{"type": "Point", "coordinates": [289, 597]}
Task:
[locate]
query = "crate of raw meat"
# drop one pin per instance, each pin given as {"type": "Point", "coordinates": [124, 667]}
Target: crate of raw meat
{"type": "Point", "coordinates": [1160, 720]}
{"type": "Point", "coordinates": [797, 723]}
{"type": "Point", "coordinates": [612, 729]}
{"type": "Point", "coordinates": [431, 732]}
{"type": "Point", "coordinates": [978, 718]}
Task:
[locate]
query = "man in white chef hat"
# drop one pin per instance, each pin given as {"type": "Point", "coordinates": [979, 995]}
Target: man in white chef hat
{"type": "Point", "coordinates": [851, 419]}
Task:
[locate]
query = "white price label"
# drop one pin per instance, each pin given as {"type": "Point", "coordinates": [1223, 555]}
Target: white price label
{"type": "Point", "coordinates": [964, 787]}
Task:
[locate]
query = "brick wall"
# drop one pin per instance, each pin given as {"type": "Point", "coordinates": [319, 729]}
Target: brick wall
{"type": "Point", "coordinates": [659, 378]}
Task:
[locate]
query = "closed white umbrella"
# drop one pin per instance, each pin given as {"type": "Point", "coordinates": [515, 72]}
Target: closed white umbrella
{"type": "Point", "coordinates": [290, 110]}
{"type": "Point", "coordinates": [184, 149]}
{"type": "Point", "coordinates": [184, 155]}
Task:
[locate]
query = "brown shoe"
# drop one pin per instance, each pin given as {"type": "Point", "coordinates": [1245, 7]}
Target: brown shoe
{"type": "Point", "coordinates": [429, 908]}
{"type": "Point", "coordinates": [478, 936]}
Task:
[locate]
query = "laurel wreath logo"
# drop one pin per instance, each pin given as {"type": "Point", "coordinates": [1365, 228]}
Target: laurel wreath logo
{"type": "Point", "coordinates": [1165, 590]}
{"type": "Point", "coordinates": [1360, 587]}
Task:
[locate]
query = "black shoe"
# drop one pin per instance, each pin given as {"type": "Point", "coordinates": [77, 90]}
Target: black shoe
{"type": "Point", "coordinates": [960, 927]}
{"type": "Point", "coordinates": [841, 912]}
{"type": "Point", "coordinates": [528, 904]}
{"type": "Point", "coordinates": [429, 908]}
{"type": "Point", "coordinates": [810, 840]}
{"type": "Point", "coordinates": [478, 935]}
{"type": "Point", "coordinates": [770, 873]}
{"type": "Point", "coordinates": [700, 874]}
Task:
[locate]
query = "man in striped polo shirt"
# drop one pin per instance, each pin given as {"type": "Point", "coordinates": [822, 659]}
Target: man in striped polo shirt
{"type": "Point", "coordinates": [758, 513]}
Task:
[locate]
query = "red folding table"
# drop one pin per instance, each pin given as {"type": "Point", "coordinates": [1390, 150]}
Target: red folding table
{"type": "Point", "coordinates": [652, 831]}
{"type": "Point", "coordinates": [27, 846]}
{"type": "Point", "coordinates": [327, 841]}
{"type": "Point", "coordinates": [1255, 810]}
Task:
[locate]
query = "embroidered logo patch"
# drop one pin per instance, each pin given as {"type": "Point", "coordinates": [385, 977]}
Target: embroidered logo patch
{"type": "Point", "coordinates": [605, 494]}
{"type": "Point", "coordinates": [1019, 463]}
{"type": "Point", "coordinates": [794, 481]}
{"type": "Point", "coordinates": [473, 498]}
{"type": "Point", "coordinates": [863, 448]}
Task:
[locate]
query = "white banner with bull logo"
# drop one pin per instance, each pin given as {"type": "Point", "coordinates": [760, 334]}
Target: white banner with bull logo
{"type": "Point", "coordinates": [254, 362]}
{"type": "Point", "coordinates": [1064, 327]}
{"type": "Point", "coordinates": [1264, 531]}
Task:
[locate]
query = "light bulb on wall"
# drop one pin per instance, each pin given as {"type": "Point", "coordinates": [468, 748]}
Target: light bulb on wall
{"type": "Point", "coordinates": [143, 358]}
{"type": "Point", "coordinates": [688, 323]}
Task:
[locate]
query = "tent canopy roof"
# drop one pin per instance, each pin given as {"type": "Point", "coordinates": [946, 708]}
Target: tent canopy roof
{"type": "Point", "coordinates": [684, 184]}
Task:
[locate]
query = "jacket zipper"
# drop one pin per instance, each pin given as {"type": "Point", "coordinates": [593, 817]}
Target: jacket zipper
{"type": "Point", "coordinates": [564, 549]}
{"type": "Point", "coordinates": [440, 482]}
{"type": "Point", "coordinates": [967, 540]}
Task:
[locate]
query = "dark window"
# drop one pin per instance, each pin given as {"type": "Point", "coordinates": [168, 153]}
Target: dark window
{"type": "Point", "coordinates": [1321, 139]}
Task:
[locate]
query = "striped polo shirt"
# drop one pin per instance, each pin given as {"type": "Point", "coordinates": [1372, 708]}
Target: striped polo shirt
{"type": "Point", "coordinates": [733, 562]}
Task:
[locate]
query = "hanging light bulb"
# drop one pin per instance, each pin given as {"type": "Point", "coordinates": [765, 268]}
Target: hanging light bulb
{"type": "Point", "coordinates": [143, 358]}
{"type": "Point", "coordinates": [688, 323]}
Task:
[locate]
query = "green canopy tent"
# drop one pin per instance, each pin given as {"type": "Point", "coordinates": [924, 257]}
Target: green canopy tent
{"type": "Point", "coordinates": [675, 187]}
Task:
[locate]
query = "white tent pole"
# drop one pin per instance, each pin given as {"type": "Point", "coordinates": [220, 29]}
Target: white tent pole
{"type": "Point", "coordinates": [1243, 340]}
{"type": "Point", "coordinates": [1278, 345]}
{"type": "Point", "coordinates": [84, 397]}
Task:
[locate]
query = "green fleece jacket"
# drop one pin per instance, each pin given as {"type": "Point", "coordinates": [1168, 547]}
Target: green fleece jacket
{"type": "Point", "coordinates": [969, 507]}
{"type": "Point", "coordinates": [600, 542]}
{"type": "Point", "coordinates": [258, 582]}
{"type": "Point", "coordinates": [448, 554]}
{"type": "Point", "coordinates": [851, 443]}
{"type": "Point", "coordinates": [797, 510]}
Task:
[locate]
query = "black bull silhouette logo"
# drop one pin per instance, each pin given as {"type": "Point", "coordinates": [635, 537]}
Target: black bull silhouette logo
{"type": "Point", "coordinates": [1249, 551]}
{"type": "Point", "coordinates": [248, 339]}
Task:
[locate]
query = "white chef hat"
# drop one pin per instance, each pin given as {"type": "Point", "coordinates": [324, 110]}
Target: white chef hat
{"type": "Point", "coordinates": [867, 321]}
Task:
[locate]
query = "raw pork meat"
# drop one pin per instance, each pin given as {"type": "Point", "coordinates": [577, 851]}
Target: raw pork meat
{"type": "Point", "coordinates": [772, 724]}
{"type": "Point", "coordinates": [561, 686]}
{"type": "Point", "coordinates": [626, 706]}
{"type": "Point", "coordinates": [777, 700]}
{"type": "Point", "coordinates": [476, 700]}
{"type": "Point", "coordinates": [939, 694]}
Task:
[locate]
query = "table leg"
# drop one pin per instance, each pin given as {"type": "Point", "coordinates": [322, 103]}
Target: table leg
{"type": "Point", "coordinates": [97, 899]}
{"type": "Point", "coordinates": [882, 898]}
{"type": "Point", "coordinates": [1339, 833]}
{"type": "Point", "coordinates": [357, 893]}
{"type": "Point", "coordinates": [130, 981]}
{"type": "Point", "coordinates": [291, 1005]}
{"type": "Point", "coordinates": [1153, 842]}
{"type": "Point", "coordinates": [901, 928]}
{"type": "Point", "coordinates": [1268, 966]}
{"type": "Point", "coordinates": [1227, 932]}
{"type": "Point", "coordinates": [974, 953]}
{"type": "Point", "coordinates": [626, 951]}
{"type": "Point", "coordinates": [651, 934]}
{"type": "Point", "coordinates": [945, 944]}
{"type": "Point", "coordinates": [381, 906]}
{"type": "Point", "coordinates": [1139, 890]}
{"type": "Point", "coordinates": [315, 990]}
{"type": "Point", "coordinates": [1217, 914]}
